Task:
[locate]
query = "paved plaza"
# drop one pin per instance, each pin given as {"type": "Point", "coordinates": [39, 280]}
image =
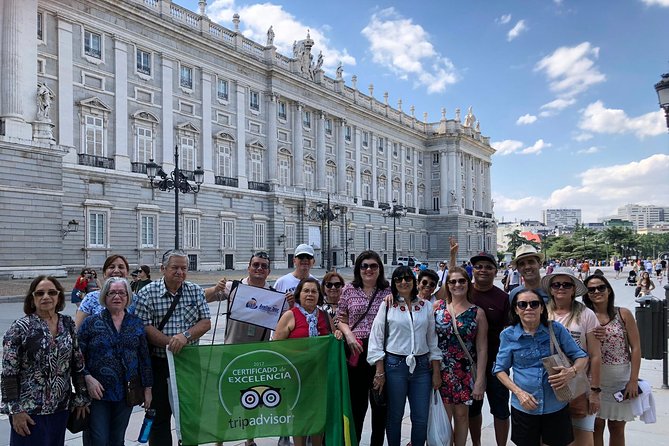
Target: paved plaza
{"type": "Point", "coordinates": [638, 433]}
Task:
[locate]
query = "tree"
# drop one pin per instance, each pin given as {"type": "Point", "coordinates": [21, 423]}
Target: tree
{"type": "Point", "coordinates": [515, 240]}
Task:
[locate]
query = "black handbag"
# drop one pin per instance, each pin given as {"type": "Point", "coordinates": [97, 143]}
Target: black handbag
{"type": "Point", "coordinates": [76, 425]}
{"type": "Point", "coordinates": [134, 392]}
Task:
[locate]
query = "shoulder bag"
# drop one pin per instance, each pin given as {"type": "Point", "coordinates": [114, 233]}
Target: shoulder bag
{"type": "Point", "coordinates": [353, 358]}
{"type": "Point", "coordinates": [577, 385]}
{"type": "Point", "coordinates": [454, 323]}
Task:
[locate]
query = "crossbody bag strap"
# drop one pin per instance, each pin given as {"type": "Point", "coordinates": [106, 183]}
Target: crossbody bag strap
{"type": "Point", "coordinates": [454, 323]}
{"type": "Point", "coordinates": [369, 305]}
{"type": "Point", "coordinates": [385, 331]}
{"type": "Point", "coordinates": [168, 315]}
{"type": "Point", "coordinates": [555, 345]}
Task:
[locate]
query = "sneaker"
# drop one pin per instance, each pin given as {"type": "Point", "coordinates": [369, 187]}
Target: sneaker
{"type": "Point", "coordinates": [284, 441]}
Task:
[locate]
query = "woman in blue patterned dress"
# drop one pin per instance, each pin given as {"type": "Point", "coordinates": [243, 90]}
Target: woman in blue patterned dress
{"type": "Point", "coordinates": [116, 351]}
{"type": "Point", "coordinates": [463, 373]}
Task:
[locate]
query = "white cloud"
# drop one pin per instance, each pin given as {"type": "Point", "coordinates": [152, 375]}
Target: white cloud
{"type": "Point", "coordinates": [509, 146]}
{"type": "Point", "coordinates": [535, 148]}
{"type": "Point", "coordinates": [516, 30]}
{"type": "Point", "coordinates": [571, 70]}
{"type": "Point", "coordinates": [404, 47]}
{"type": "Point", "coordinates": [589, 150]}
{"type": "Point", "coordinates": [581, 137]}
{"type": "Point", "coordinates": [663, 3]}
{"type": "Point", "coordinates": [596, 195]}
{"type": "Point", "coordinates": [599, 119]}
{"type": "Point", "coordinates": [504, 19]}
{"type": "Point", "coordinates": [526, 119]}
{"type": "Point", "coordinates": [255, 20]}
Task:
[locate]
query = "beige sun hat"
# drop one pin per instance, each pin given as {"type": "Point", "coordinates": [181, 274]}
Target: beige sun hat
{"type": "Point", "coordinates": [579, 287]}
{"type": "Point", "coordinates": [525, 251]}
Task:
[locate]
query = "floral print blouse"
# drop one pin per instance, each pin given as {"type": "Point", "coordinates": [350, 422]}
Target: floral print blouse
{"type": "Point", "coordinates": [38, 370]}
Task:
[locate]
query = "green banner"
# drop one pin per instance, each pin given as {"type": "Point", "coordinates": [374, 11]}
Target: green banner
{"type": "Point", "coordinates": [267, 389]}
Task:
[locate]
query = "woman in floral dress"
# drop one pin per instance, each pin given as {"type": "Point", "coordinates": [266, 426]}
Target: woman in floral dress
{"type": "Point", "coordinates": [463, 379]}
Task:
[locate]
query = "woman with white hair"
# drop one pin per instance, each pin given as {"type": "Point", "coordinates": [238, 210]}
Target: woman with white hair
{"type": "Point", "coordinates": [116, 352]}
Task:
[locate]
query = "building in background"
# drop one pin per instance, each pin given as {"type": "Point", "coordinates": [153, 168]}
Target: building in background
{"type": "Point", "coordinates": [563, 218]}
{"type": "Point", "coordinates": [92, 90]}
{"type": "Point", "coordinates": [643, 216]}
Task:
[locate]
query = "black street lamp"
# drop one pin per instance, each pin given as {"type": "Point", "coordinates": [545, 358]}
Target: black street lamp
{"type": "Point", "coordinates": [174, 180]}
{"type": "Point", "coordinates": [343, 210]}
{"type": "Point", "coordinates": [325, 214]}
{"type": "Point", "coordinates": [484, 224]}
{"type": "Point", "coordinates": [662, 89]}
{"type": "Point", "coordinates": [396, 211]}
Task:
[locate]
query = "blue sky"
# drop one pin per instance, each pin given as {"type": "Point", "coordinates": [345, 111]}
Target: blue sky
{"type": "Point", "coordinates": [564, 88]}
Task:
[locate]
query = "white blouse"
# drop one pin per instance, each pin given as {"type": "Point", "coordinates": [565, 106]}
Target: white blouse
{"type": "Point", "coordinates": [411, 332]}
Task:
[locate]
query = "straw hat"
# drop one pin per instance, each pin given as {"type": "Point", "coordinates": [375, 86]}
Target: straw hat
{"type": "Point", "coordinates": [525, 251]}
{"type": "Point", "coordinates": [579, 286]}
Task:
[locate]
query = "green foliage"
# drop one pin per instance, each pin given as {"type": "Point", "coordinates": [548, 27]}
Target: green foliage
{"type": "Point", "coordinates": [515, 240]}
{"type": "Point", "coordinates": [620, 242]}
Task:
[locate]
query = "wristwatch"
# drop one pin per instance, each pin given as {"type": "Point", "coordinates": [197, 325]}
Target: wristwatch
{"type": "Point", "coordinates": [596, 389]}
{"type": "Point", "coordinates": [187, 335]}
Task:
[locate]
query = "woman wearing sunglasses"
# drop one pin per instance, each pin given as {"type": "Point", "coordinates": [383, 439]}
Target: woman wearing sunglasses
{"type": "Point", "coordinates": [464, 348]}
{"type": "Point", "coordinates": [537, 416]}
{"type": "Point", "coordinates": [621, 359]}
{"type": "Point", "coordinates": [563, 288]}
{"type": "Point", "coordinates": [427, 284]}
{"type": "Point", "coordinates": [331, 287]}
{"type": "Point", "coordinates": [403, 349]}
{"type": "Point", "coordinates": [358, 306]}
{"type": "Point", "coordinates": [41, 360]}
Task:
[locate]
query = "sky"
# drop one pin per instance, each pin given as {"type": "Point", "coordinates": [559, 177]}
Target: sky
{"type": "Point", "coordinates": [563, 88]}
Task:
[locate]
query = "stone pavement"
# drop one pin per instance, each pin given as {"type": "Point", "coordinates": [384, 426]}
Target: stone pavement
{"type": "Point", "coordinates": [637, 433]}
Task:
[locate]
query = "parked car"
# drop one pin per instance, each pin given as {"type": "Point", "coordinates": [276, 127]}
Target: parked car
{"type": "Point", "coordinates": [406, 261]}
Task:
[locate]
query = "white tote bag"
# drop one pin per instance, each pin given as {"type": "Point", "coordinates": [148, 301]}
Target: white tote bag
{"type": "Point", "coordinates": [439, 430]}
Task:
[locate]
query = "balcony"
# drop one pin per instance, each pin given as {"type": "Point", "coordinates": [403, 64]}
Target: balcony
{"type": "Point", "coordinates": [478, 213]}
{"type": "Point", "coordinates": [96, 161]}
{"type": "Point", "coordinates": [428, 212]}
{"type": "Point", "coordinates": [368, 203]}
{"type": "Point", "coordinates": [383, 205]}
{"type": "Point", "coordinates": [188, 174]}
{"type": "Point", "coordinates": [411, 210]}
{"type": "Point", "coordinates": [469, 212]}
{"type": "Point", "coordinates": [487, 215]}
{"type": "Point", "coordinates": [255, 185]}
{"type": "Point", "coordinates": [226, 181]}
{"type": "Point", "coordinates": [138, 167]}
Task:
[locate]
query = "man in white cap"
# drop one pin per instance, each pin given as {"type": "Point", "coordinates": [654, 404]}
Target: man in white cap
{"type": "Point", "coordinates": [528, 263]}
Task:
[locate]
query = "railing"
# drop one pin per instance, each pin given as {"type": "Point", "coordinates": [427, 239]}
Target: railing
{"type": "Point", "coordinates": [255, 185]}
{"type": "Point", "coordinates": [428, 212]}
{"type": "Point", "coordinates": [487, 215]}
{"type": "Point", "coordinates": [468, 212]}
{"type": "Point", "coordinates": [368, 203]}
{"type": "Point", "coordinates": [411, 210]}
{"type": "Point", "coordinates": [478, 213]}
{"type": "Point", "coordinates": [383, 205]}
{"type": "Point", "coordinates": [151, 3]}
{"type": "Point", "coordinates": [226, 181]}
{"type": "Point", "coordinates": [96, 161]}
{"type": "Point", "coordinates": [221, 33]}
{"type": "Point", "coordinates": [138, 167]}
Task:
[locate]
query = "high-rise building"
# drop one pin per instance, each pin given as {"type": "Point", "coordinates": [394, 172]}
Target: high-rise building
{"type": "Point", "coordinates": [102, 87]}
{"type": "Point", "coordinates": [561, 217]}
{"type": "Point", "coordinates": [642, 216]}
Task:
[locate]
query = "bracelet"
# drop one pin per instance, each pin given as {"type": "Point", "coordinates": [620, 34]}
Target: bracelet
{"type": "Point", "coordinates": [596, 389]}
{"type": "Point", "coordinates": [378, 375]}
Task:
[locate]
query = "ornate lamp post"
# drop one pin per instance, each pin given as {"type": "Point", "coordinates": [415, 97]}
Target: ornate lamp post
{"type": "Point", "coordinates": [396, 211]}
{"type": "Point", "coordinates": [176, 181]}
{"type": "Point", "coordinates": [662, 89]}
{"type": "Point", "coordinates": [484, 224]}
{"type": "Point", "coordinates": [325, 214]}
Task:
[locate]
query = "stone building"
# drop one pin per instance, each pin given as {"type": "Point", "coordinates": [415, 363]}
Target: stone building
{"type": "Point", "coordinates": [91, 91]}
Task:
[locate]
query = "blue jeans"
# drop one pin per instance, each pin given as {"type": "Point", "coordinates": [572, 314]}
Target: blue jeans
{"type": "Point", "coordinates": [109, 420]}
{"type": "Point", "coordinates": [49, 430]}
{"type": "Point", "coordinates": [401, 384]}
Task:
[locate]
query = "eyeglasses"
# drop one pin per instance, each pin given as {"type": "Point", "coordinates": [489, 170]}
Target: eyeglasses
{"type": "Point", "coordinates": [258, 265]}
{"type": "Point", "coordinates": [372, 266]}
{"type": "Point", "coordinates": [337, 285]}
{"type": "Point", "coordinates": [117, 293]}
{"type": "Point", "coordinates": [399, 279]}
{"type": "Point", "coordinates": [565, 285]}
{"type": "Point", "coordinates": [304, 256]}
{"type": "Point", "coordinates": [597, 289]}
{"type": "Point", "coordinates": [428, 284]}
{"type": "Point", "coordinates": [523, 304]}
{"type": "Point", "coordinates": [485, 266]}
{"type": "Point", "coordinates": [461, 281]}
{"type": "Point", "coordinates": [51, 293]}
{"type": "Point", "coordinates": [309, 291]}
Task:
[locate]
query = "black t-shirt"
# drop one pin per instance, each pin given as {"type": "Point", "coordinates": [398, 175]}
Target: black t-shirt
{"type": "Point", "coordinates": [495, 304]}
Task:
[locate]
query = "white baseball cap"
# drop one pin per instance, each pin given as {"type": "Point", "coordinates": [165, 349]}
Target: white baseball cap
{"type": "Point", "coordinates": [304, 249]}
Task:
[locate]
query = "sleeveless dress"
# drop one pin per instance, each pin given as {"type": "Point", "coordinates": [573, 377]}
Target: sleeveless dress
{"type": "Point", "coordinates": [457, 374]}
{"type": "Point", "coordinates": [615, 372]}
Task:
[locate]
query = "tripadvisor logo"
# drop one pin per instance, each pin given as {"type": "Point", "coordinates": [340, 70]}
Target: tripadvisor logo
{"type": "Point", "coordinates": [260, 387]}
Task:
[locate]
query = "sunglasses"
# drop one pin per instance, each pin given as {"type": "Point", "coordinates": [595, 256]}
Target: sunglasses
{"type": "Point", "coordinates": [258, 265]}
{"type": "Point", "coordinates": [304, 256]}
{"type": "Point", "coordinates": [461, 281]}
{"type": "Point", "coordinates": [428, 284]}
{"type": "Point", "coordinates": [486, 266]}
{"type": "Point", "coordinates": [533, 304]}
{"type": "Point", "coordinates": [597, 289]}
{"type": "Point", "coordinates": [399, 279]}
{"type": "Point", "coordinates": [372, 266]}
{"type": "Point", "coordinates": [337, 285]}
{"type": "Point", "coordinates": [51, 293]}
{"type": "Point", "coordinates": [564, 285]}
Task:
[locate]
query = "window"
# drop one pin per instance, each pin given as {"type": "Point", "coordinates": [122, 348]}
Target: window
{"type": "Point", "coordinates": [365, 139]}
{"type": "Point", "coordinates": [331, 176]}
{"type": "Point", "coordinates": [284, 170]}
{"type": "Point", "coordinates": [254, 100]}
{"type": "Point", "coordinates": [40, 26]}
{"type": "Point", "coordinates": [412, 242]}
{"type": "Point", "coordinates": [227, 234]}
{"type": "Point", "coordinates": [93, 129]}
{"type": "Point", "coordinates": [283, 114]}
{"type": "Point", "coordinates": [309, 168]}
{"type": "Point", "coordinates": [191, 232]}
{"type": "Point", "coordinates": [144, 144]}
{"type": "Point", "coordinates": [408, 198]}
{"type": "Point", "coordinates": [306, 119]}
{"type": "Point", "coordinates": [97, 229]}
{"type": "Point", "coordinates": [395, 149]}
{"type": "Point", "coordinates": [186, 77]}
{"type": "Point", "coordinates": [93, 44]}
{"type": "Point", "coordinates": [366, 187]}
{"type": "Point", "coordinates": [381, 145]}
{"type": "Point", "coordinates": [347, 133]}
{"type": "Point", "coordinates": [368, 240]}
{"type": "Point", "coordinates": [408, 154]}
{"type": "Point", "coordinates": [290, 236]}
{"type": "Point", "coordinates": [349, 183]}
{"type": "Point", "coordinates": [222, 90]}
{"type": "Point", "coordinates": [259, 236]}
{"type": "Point", "coordinates": [381, 189]}
{"type": "Point", "coordinates": [147, 231]}
{"type": "Point", "coordinates": [328, 127]}
{"type": "Point", "coordinates": [435, 158]}
{"type": "Point", "coordinates": [224, 151]}
{"type": "Point", "coordinates": [435, 203]}
{"type": "Point", "coordinates": [143, 62]}
{"type": "Point", "coordinates": [187, 150]}
{"type": "Point", "coordinates": [256, 166]}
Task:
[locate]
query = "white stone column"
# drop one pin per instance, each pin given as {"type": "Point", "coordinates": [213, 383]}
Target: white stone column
{"type": "Point", "coordinates": [389, 171]}
{"type": "Point", "coordinates": [403, 160]}
{"type": "Point", "coordinates": [298, 146]}
{"type": "Point", "coordinates": [415, 181]}
{"type": "Point", "coordinates": [357, 142]}
{"type": "Point", "coordinates": [65, 95]}
{"type": "Point", "coordinates": [375, 183]}
{"type": "Point", "coordinates": [18, 54]}
{"type": "Point", "coordinates": [122, 138]}
{"type": "Point", "coordinates": [453, 186]}
{"type": "Point", "coordinates": [206, 160]}
{"type": "Point", "coordinates": [320, 153]}
{"type": "Point", "coordinates": [444, 195]}
{"type": "Point", "coordinates": [479, 185]}
{"type": "Point", "coordinates": [167, 67]}
{"type": "Point", "coordinates": [468, 182]}
{"type": "Point", "coordinates": [341, 158]}
{"type": "Point", "coordinates": [488, 188]}
{"type": "Point", "coordinates": [272, 146]}
{"type": "Point", "coordinates": [241, 136]}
